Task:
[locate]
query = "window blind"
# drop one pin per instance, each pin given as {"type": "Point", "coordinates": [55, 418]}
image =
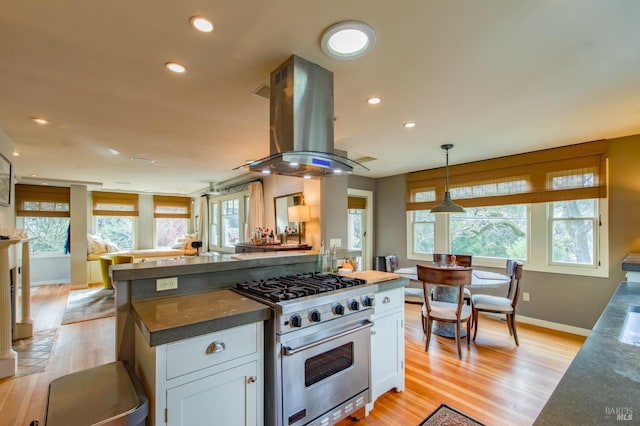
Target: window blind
{"type": "Point", "coordinates": [566, 173]}
{"type": "Point", "coordinates": [114, 204]}
{"type": "Point", "coordinates": [359, 203]}
{"type": "Point", "coordinates": [165, 206]}
{"type": "Point", "coordinates": [42, 201]}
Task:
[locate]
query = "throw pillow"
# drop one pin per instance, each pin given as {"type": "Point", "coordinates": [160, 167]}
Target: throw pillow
{"type": "Point", "coordinates": [111, 247]}
{"type": "Point", "coordinates": [99, 246]}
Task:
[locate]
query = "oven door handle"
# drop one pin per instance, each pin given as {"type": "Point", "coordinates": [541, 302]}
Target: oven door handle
{"type": "Point", "coordinates": [288, 351]}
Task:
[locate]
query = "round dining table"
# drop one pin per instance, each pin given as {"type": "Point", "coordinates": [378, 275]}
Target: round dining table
{"type": "Point", "coordinates": [479, 280]}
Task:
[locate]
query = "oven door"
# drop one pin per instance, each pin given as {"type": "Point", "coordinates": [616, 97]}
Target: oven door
{"type": "Point", "coordinates": [323, 370]}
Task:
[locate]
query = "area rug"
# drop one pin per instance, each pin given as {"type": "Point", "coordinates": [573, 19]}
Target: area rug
{"type": "Point", "coordinates": [33, 352]}
{"type": "Point", "coordinates": [447, 416]}
{"type": "Point", "coordinates": [89, 304]}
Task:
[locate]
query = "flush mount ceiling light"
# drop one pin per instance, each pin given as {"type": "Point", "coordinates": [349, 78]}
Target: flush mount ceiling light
{"type": "Point", "coordinates": [348, 40]}
{"type": "Point", "coordinates": [447, 206]}
{"type": "Point", "coordinates": [374, 100]}
{"type": "Point", "coordinates": [201, 24]}
{"type": "Point", "coordinates": [175, 67]}
{"type": "Point", "coordinates": [409, 124]}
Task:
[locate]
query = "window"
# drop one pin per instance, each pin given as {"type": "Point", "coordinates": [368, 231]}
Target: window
{"type": "Point", "coordinates": [214, 235]}
{"type": "Point", "coordinates": [231, 222]}
{"type": "Point", "coordinates": [355, 228]}
{"type": "Point", "coordinates": [50, 233]}
{"type": "Point", "coordinates": [171, 215]}
{"type": "Point", "coordinates": [118, 230]}
{"type": "Point", "coordinates": [228, 220]}
{"type": "Point", "coordinates": [496, 231]}
{"type": "Point", "coordinates": [573, 227]}
{"type": "Point", "coordinates": [115, 216]}
{"type": "Point", "coordinates": [43, 212]}
{"type": "Point", "coordinates": [423, 229]}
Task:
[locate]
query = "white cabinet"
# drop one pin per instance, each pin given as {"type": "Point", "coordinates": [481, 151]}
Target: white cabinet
{"type": "Point", "coordinates": [216, 378]}
{"type": "Point", "coordinates": [387, 344]}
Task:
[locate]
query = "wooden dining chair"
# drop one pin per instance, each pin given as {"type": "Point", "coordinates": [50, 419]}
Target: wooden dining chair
{"type": "Point", "coordinates": [444, 259]}
{"type": "Point", "coordinates": [454, 313]}
{"type": "Point", "coordinates": [501, 305]}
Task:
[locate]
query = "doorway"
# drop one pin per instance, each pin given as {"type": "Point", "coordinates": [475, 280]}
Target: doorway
{"type": "Point", "coordinates": [360, 224]}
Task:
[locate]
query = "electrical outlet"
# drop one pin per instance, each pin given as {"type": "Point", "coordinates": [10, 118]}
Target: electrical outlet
{"type": "Point", "coordinates": [525, 296]}
{"type": "Point", "coordinates": [166, 283]}
{"type": "Point", "coordinates": [335, 242]}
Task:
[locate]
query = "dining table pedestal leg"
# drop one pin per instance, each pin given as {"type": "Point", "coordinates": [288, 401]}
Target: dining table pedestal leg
{"type": "Point", "coordinates": [445, 329]}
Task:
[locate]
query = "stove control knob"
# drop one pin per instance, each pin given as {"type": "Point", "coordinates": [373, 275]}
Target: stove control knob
{"type": "Point", "coordinates": [354, 305]}
{"type": "Point", "coordinates": [295, 320]}
{"type": "Point", "coordinates": [314, 316]}
{"type": "Point", "coordinates": [338, 309]}
{"type": "Point", "coordinates": [367, 301]}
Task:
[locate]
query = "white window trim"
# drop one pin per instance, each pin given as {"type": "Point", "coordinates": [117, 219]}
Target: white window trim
{"type": "Point", "coordinates": [539, 244]}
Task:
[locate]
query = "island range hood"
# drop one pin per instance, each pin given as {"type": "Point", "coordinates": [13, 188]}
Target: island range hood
{"type": "Point", "coordinates": [301, 124]}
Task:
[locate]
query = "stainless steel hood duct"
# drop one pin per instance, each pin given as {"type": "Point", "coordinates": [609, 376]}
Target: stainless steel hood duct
{"type": "Point", "coordinates": [301, 123]}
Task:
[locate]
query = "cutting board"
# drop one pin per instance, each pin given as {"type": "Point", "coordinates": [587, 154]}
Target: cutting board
{"type": "Point", "coordinates": [372, 277]}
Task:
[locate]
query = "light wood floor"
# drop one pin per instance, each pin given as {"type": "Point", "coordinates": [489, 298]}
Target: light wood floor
{"type": "Point", "coordinates": [496, 382]}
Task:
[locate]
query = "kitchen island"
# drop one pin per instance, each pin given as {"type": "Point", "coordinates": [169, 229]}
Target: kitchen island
{"type": "Point", "coordinates": [206, 341]}
{"type": "Point", "coordinates": [195, 275]}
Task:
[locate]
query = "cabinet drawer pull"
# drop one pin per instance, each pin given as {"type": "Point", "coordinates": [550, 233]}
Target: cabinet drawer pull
{"type": "Point", "coordinates": [386, 300]}
{"type": "Point", "coordinates": [215, 347]}
{"type": "Point", "coordinates": [252, 379]}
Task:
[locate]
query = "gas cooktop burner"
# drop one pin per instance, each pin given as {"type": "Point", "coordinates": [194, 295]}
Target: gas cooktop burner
{"type": "Point", "coordinates": [295, 286]}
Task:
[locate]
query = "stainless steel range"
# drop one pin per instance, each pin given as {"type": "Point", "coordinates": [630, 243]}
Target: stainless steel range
{"type": "Point", "coordinates": [316, 346]}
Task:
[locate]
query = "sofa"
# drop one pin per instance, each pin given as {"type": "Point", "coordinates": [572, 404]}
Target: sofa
{"type": "Point", "coordinates": [99, 252]}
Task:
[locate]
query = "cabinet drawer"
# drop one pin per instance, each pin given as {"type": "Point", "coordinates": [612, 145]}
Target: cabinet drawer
{"type": "Point", "coordinates": [211, 349]}
{"type": "Point", "coordinates": [388, 300]}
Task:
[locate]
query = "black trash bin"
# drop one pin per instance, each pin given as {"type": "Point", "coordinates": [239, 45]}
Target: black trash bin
{"type": "Point", "coordinates": [381, 263]}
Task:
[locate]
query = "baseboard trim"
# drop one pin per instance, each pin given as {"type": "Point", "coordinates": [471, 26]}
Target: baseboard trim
{"type": "Point", "coordinates": [546, 324]}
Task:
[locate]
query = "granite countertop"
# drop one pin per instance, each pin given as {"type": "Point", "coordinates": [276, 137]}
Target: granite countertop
{"type": "Point", "coordinates": [174, 318]}
{"type": "Point", "coordinates": [602, 384]}
{"type": "Point", "coordinates": [206, 264]}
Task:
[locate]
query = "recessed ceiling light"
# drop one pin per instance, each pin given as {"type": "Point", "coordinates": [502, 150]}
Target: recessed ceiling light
{"type": "Point", "coordinates": [307, 176]}
{"type": "Point", "coordinates": [40, 120]}
{"type": "Point", "coordinates": [374, 100]}
{"type": "Point", "coordinates": [201, 24]}
{"type": "Point", "coordinates": [113, 151]}
{"type": "Point", "coordinates": [16, 154]}
{"type": "Point", "coordinates": [348, 40]}
{"type": "Point", "coordinates": [175, 67]}
{"type": "Point", "coordinates": [409, 124]}
{"type": "Point", "coordinates": [266, 171]}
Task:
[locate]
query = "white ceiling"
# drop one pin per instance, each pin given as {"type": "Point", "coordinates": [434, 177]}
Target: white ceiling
{"type": "Point", "coordinates": [493, 77]}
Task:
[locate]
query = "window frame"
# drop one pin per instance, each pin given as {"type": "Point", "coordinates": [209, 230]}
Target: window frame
{"type": "Point", "coordinates": [539, 243]}
{"type": "Point", "coordinates": [242, 221]}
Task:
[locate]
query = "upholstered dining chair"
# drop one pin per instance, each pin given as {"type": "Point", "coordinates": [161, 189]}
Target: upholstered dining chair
{"type": "Point", "coordinates": [443, 259]}
{"type": "Point", "coordinates": [501, 305]}
{"type": "Point", "coordinates": [454, 313]}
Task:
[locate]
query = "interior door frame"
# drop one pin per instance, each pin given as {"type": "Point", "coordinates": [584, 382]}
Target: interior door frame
{"type": "Point", "coordinates": [367, 252]}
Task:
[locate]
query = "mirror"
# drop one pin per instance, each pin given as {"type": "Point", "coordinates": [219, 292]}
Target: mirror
{"type": "Point", "coordinates": [282, 204]}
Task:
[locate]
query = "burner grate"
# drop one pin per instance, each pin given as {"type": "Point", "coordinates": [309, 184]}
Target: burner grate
{"type": "Point", "coordinates": [294, 286]}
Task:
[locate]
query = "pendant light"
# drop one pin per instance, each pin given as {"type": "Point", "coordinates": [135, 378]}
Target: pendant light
{"type": "Point", "coordinates": [447, 206]}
